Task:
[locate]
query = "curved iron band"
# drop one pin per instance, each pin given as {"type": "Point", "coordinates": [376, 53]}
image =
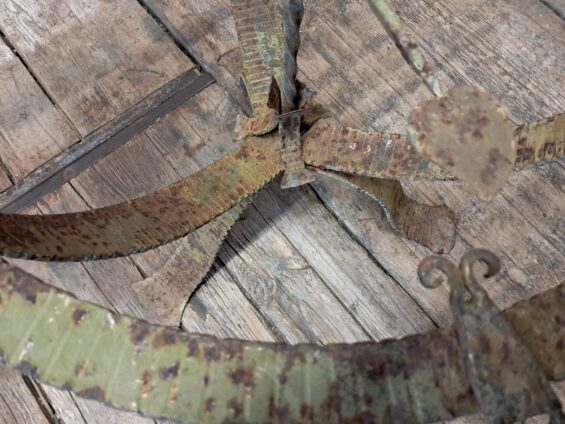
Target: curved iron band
{"type": "Point", "coordinates": [162, 372]}
{"type": "Point", "coordinates": [150, 221]}
{"type": "Point", "coordinates": [331, 146]}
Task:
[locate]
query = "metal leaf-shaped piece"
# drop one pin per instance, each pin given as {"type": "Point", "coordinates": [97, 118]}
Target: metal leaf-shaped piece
{"type": "Point", "coordinates": [468, 135]}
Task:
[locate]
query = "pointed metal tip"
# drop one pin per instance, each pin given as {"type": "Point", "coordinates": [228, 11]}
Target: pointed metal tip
{"type": "Point", "coordinates": [297, 179]}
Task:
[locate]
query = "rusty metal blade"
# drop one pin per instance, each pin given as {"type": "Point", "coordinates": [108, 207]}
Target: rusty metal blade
{"type": "Point", "coordinates": [468, 135]}
{"type": "Point", "coordinates": [260, 34]}
{"type": "Point", "coordinates": [162, 372]}
{"type": "Point", "coordinates": [540, 141]}
{"type": "Point", "coordinates": [431, 226]}
{"type": "Point", "coordinates": [165, 292]}
{"type": "Point", "coordinates": [331, 146]}
{"type": "Point", "coordinates": [296, 174]}
{"type": "Point", "coordinates": [149, 221]}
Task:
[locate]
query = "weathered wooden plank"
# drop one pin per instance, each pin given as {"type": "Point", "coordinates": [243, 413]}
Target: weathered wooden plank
{"type": "Point", "coordinates": [32, 129]}
{"type": "Point", "coordinates": [97, 58]}
{"type": "Point", "coordinates": [17, 405]}
{"type": "Point", "coordinates": [220, 308]}
{"type": "Point", "coordinates": [557, 6]}
{"type": "Point", "coordinates": [59, 169]}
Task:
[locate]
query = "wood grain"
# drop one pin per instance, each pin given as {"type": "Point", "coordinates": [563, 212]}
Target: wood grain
{"type": "Point", "coordinates": [96, 58]}
{"type": "Point", "coordinates": [32, 129]}
{"type": "Point", "coordinates": [17, 405]}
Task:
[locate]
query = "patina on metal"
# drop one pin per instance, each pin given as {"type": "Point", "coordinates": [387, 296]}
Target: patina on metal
{"type": "Point", "coordinates": [149, 221]}
{"type": "Point", "coordinates": [163, 372]}
{"type": "Point", "coordinates": [507, 381]}
{"type": "Point", "coordinates": [540, 141]}
{"type": "Point", "coordinates": [259, 32]}
{"type": "Point", "coordinates": [329, 145]}
{"type": "Point", "coordinates": [468, 135]}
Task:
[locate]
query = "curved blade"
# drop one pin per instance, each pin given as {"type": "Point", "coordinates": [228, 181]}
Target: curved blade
{"type": "Point", "coordinates": [149, 221]}
{"type": "Point", "coordinates": [331, 146]}
{"type": "Point", "coordinates": [165, 292]}
{"type": "Point", "coordinates": [431, 226]}
{"type": "Point", "coordinates": [162, 372]}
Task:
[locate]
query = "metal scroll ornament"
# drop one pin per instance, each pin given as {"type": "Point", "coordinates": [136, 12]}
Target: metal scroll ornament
{"type": "Point", "coordinates": [495, 362]}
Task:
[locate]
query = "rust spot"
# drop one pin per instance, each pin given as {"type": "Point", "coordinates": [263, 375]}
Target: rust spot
{"type": "Point", "coordinates": [164, 338]}
{"type": "Point", "coordinates": [138, 333]}
{"type": "Point", "coordinates": [241, 376]}
{"type": "Point", "coordinates": [167, 373]}
{"type": "Point", "coordinates": [549, 149]}
{"type": "Point", "coordinates": [146, 384]}
{"type": "Point", "coordinates": [79, 370]}
{"type": "Point", "coordinates": [525, 155]}
{"type": "Point", "coordinates": [24, 284]}
{"type": "Point", "coordinates": [210, 404]}
{"type": "Point", "coordinates": [78, 316]}
{"type": "Point", "coordinates": [235, 407]}
{"type": "Point", "coordinates": [94, 393]}
{"type": "Point", "coordinates": [306, 412]}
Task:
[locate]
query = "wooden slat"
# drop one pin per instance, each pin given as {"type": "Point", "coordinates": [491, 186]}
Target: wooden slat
{"type": "Point", "coordinates": [32, 130]}
{"type": "Point", "coordinates": [60, 168]}
{"type": "Point", "coordinates": [17, 405]}
{"type": "Point", "coordinates": [557, 6]}
{"type": "Point", "coordinates": [97, 58]}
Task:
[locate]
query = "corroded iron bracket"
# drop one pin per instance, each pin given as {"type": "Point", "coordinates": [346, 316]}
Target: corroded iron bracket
{"type": "Point", "coordinates": [507, 381]}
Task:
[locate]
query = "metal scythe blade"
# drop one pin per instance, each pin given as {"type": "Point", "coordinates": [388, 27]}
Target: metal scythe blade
{"type": "Point", "coordinates": [163, 372]}
{"type": "Point", "coordinates": [150, 221]}
{"type": "Point", "coordinates": [174, 211]}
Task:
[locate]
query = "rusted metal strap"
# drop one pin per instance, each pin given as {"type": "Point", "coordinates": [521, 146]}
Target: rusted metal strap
{"type": "Point", "coordinates": [508, 383]}
{"type": "Point", "coordinates": [296, 174]}
{"type": "Point", "coordinates": [162, 372]}
{"type": "Point", "coordinates": [540, 141]}
{"type": "Point", "coordinates": [138, 225]}
{"type": "Point", "coordinates": [164, 293]}
{"type": "Point", "coordinates": [331, 146]}
{"type": "Point", "coordinates": [259, 31]}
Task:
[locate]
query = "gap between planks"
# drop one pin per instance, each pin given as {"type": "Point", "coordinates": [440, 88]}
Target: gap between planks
{"type": "Point", "coordinates": [71, 162]}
